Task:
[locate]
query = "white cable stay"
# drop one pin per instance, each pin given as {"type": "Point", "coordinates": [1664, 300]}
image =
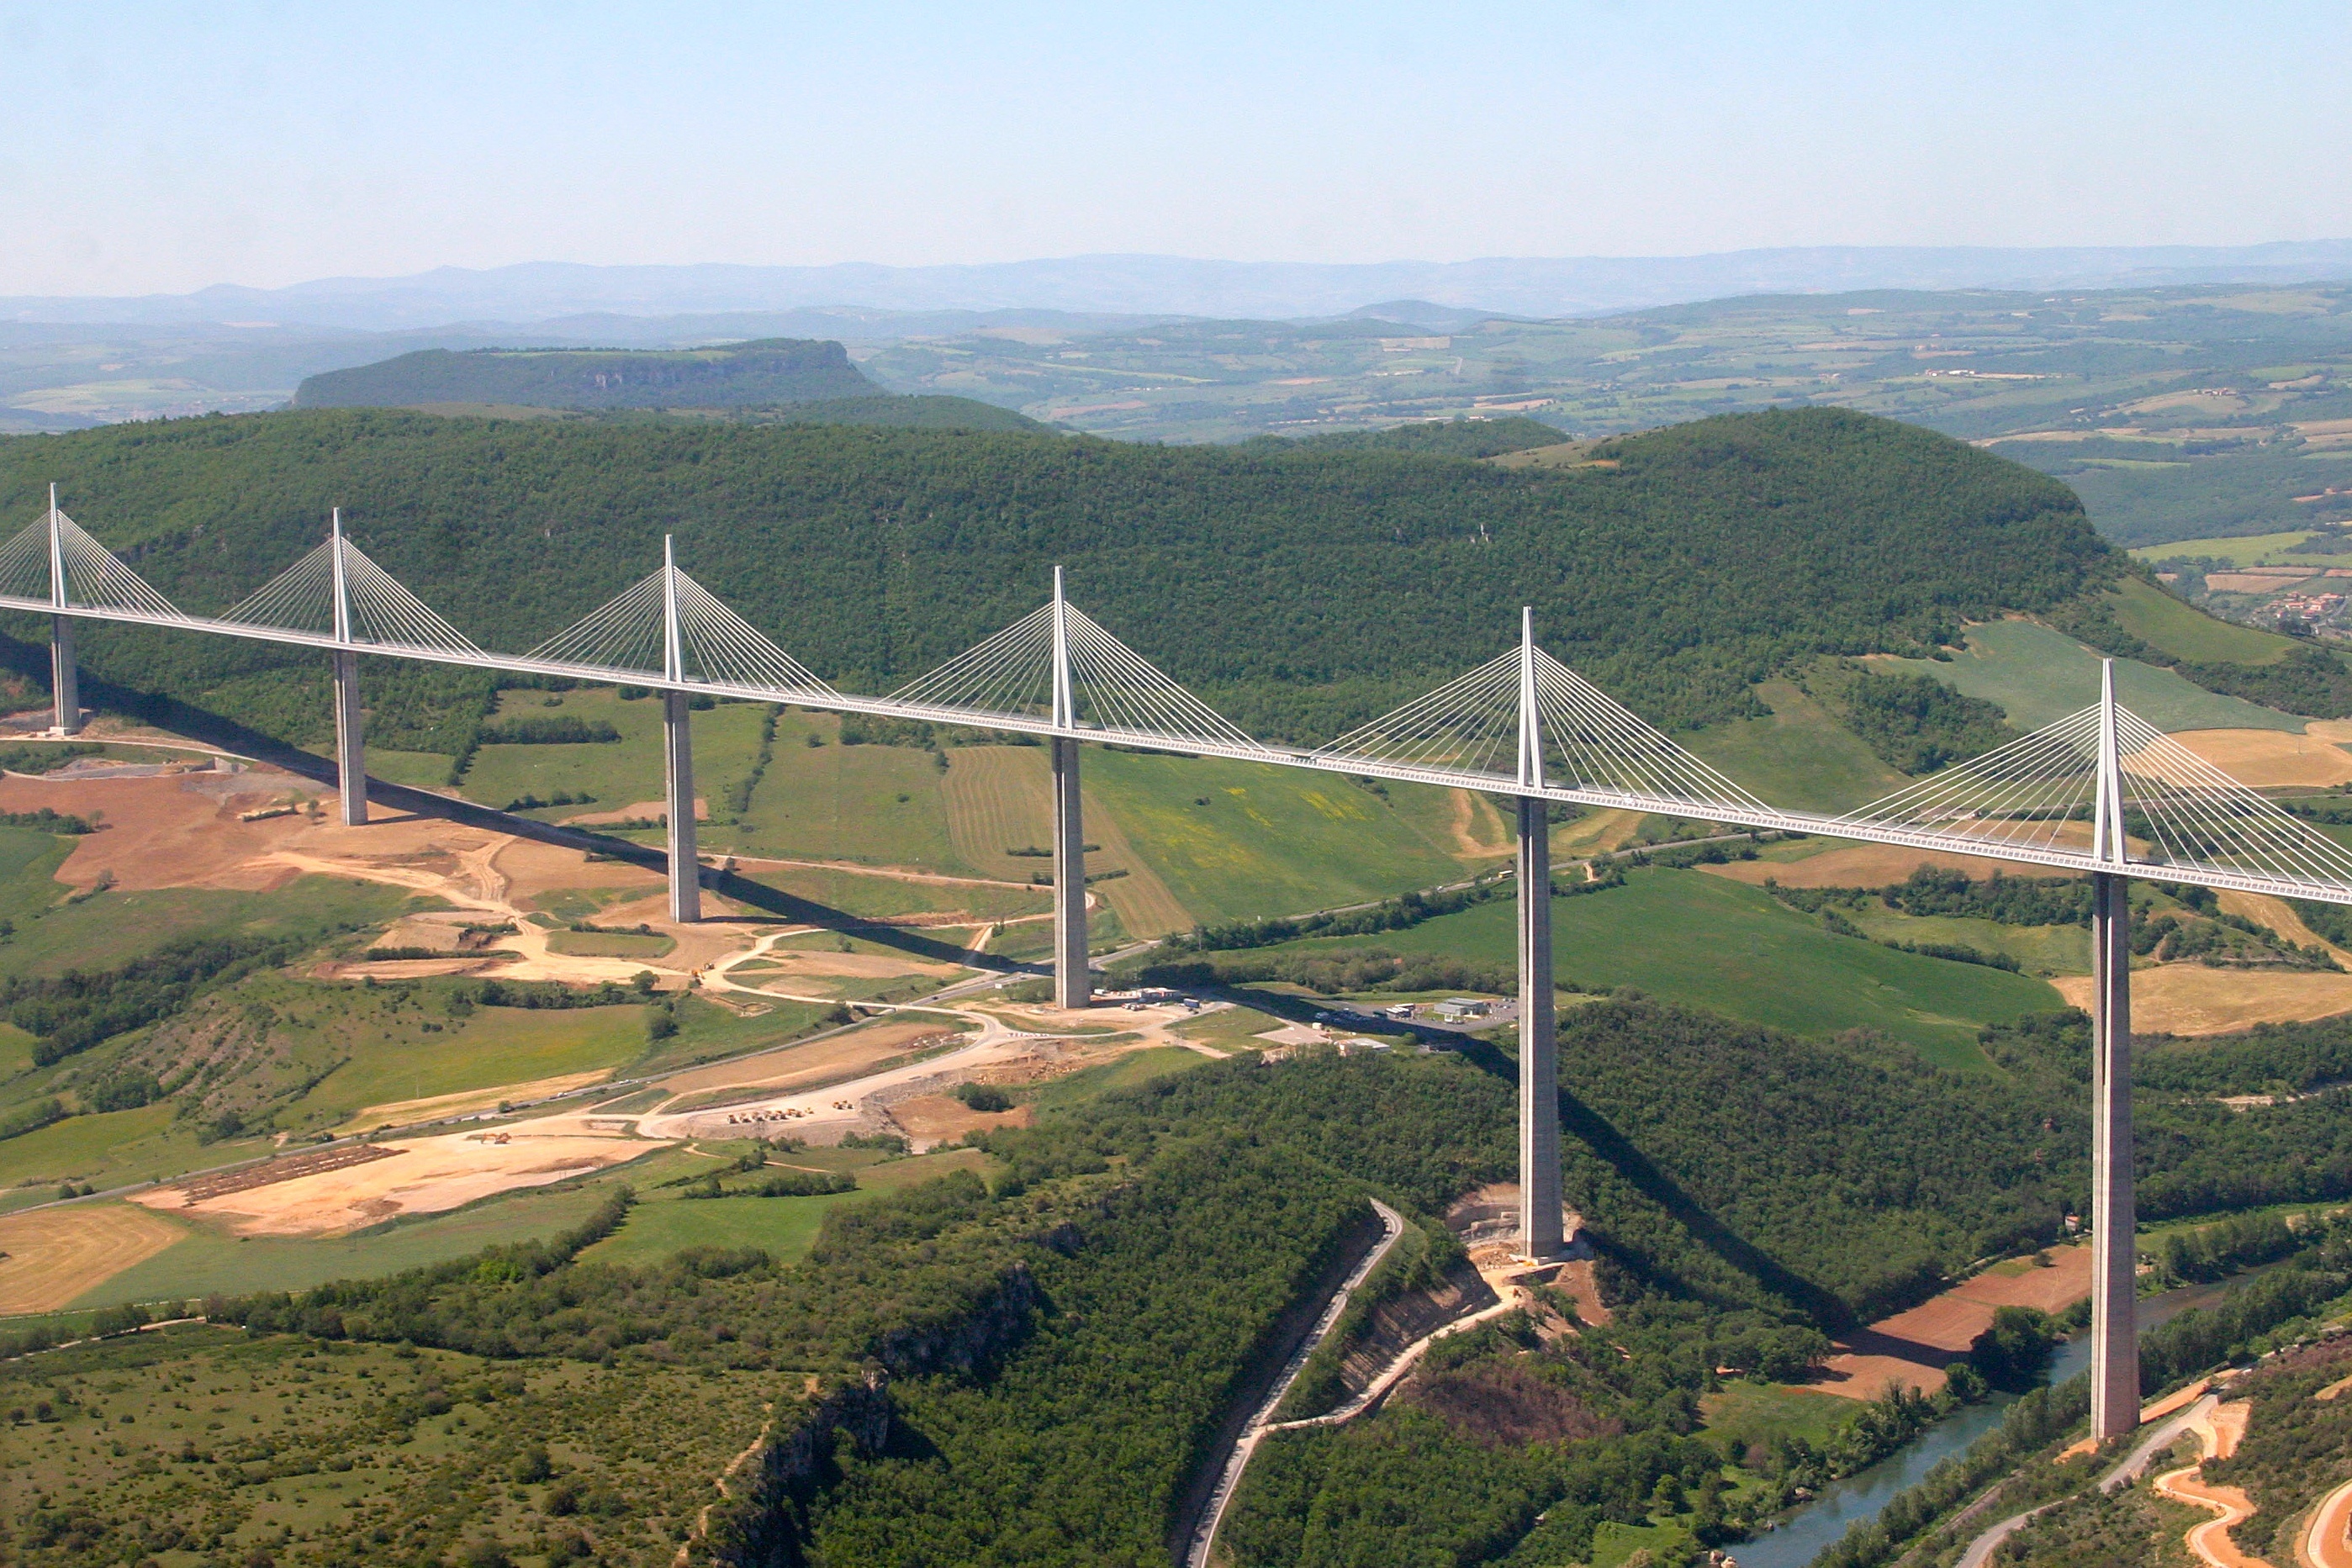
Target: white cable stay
{"type": "Point", "coordinates": [90, 576]}
{"type": "Point", "coordinates": [1590, 742]}
{"type": "Point", "coordinates": [2181, 814]}
{"type": "Point", "coordinates": [302, 599]}
{"type": "Point", "coordinates": [625, 637]}
{"type": "Point", "coordinates": [1113, 688]}
{"type": "Point", "coordinates": [2031, 801]}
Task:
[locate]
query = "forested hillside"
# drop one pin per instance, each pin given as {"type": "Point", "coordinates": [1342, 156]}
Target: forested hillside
{"type": "Point", "coordinates": [775, 370]}
{"type": "Point", "coordinates": [1027, 1372]}
{"type": "Point", "coordinates": [1303, 590]}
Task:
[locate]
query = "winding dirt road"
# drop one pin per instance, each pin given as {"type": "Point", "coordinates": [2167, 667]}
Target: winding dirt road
{"type": "Point", "coordinates": [2325, 1543]}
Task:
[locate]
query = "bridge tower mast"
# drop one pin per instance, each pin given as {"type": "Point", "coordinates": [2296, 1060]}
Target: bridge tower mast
{"type": "Point", "coordinates": [1072, 986]}
{"type": "Point", "coordinates": [64, 683]}
{"type": "Point", "coordinates": [678, 755]}
{"type": "Point", "coordinates": [351, 742]}
{"type": "Point", "coordinates": [1539, 1218]}
{"type": "Point", "coordinates": [2115, 1343]}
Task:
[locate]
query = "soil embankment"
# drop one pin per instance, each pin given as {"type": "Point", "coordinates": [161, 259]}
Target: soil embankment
{"type": "Point", "coordinates": [1911, 1348]}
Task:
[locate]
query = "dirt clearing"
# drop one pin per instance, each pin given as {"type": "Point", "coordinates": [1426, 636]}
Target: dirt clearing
{"type": "Point", "coordinates": [1912, 1348]}
{"type": "Point", "coordinates": [404, 1113]}
{"type": "Point", "coordinates": [933, 1119]}
{"type": "Point", "coordinates": [844, 1055]}
{"type": "Point", "coordinates": [430, 1176]}
{"type": "Point", "coordinates": [53, 1255]}
{"type": "Point", "coordinates": [534, 870]}
{"type": "Point", "coordinates": [172, 830]}
{"type": "Point", "coordinates": [2266, 758]}
{"type": "Point", "coordinates": [2189, 998]}
{"type": "Point", "coordinates": [1858, 865]}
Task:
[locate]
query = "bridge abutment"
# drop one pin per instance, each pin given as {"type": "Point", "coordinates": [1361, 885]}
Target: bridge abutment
{"type": "Point", "coordinates": [1540, 1218]}
{"type": "Point", "coordinates": [677, 760]}
{"type": "Point", "coordinates": [64, 679]}
{"type": "Point", "coordinates": [351, 742]}
{"type": "Point", "coordinates": [1072, 986]}
{"type": "Point", "coordinates": [2114, 1340]}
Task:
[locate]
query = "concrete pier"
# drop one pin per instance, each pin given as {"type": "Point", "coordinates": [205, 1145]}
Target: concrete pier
{"type": "Point", "coordinates": [1072, 986]}
{"type": "Point", "coordinates": [65, 681]}
{"type": "Point", "coordinates": [351, 742]}
{"type": "Point", "coordinates": [1539, 1221]}
{"type": "Point", "coordinates": [2115, 1343]}
{"type": "Point", "coordinates": [678, 758]}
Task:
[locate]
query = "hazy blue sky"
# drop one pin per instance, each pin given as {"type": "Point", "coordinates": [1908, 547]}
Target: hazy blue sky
{"type": "Point", "coordinates": [164, 147]}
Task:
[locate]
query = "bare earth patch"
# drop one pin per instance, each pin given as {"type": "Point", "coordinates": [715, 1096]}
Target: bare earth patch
{"type": "Point", "coordinates": [2192, 1000]}
{"type": "Point", "coordinates": [431, 1175]}
{"type": "Point", "coordinates": [2266, 758]}
{"type": "Point", "coordinates": [1911, 1348]}
{"type": "Point", "coordinates": [53, 1255]}
{"type": "Point", "coordinates": [533, 870]}
{"type": "Point", "coordinates": [172, 830]}
{"type": "Point", "coordinates": [932, 1119]}
{"type": "Point", "coordinates": [1506, 1404]}
{"type": "Point", "coordinates": [843, 1054]}
{"type": "Point", "coordinates": [403, 1112]}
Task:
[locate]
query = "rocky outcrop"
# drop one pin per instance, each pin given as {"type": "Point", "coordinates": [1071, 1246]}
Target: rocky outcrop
{"type": "Point", "coordinates": [970, 1344]}
{"type": "Point", "coordinates": [760, 1520]}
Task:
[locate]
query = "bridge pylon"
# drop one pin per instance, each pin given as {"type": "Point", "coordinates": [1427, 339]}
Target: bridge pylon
{"type": "Point", "coordinates": [64, 683]}
{"type": "Point", "coordinates": [351, 734]}
{"type": "Point", "coordinates": [1539, 1210]}
{"type": "Point", "coordinates": [1073, 984]}
{"type": "Point", "coordinates": [678, 755]}
{"type": "Point", "coordinates": [2114, 1338]}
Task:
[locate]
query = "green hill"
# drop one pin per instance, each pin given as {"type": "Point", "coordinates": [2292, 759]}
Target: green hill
{"type": "Point", "coordinates": [1303, 591]}
{"type": "Point", "coordinates": [774, 370]}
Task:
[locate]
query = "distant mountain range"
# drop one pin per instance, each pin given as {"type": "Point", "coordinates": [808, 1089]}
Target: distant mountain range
{"type": "Point", "coordinates": [1167, 285]}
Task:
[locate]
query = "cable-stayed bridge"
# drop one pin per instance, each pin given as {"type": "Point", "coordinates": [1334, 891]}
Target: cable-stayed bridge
{"type": "Point", "coordinates": [2101, 792]}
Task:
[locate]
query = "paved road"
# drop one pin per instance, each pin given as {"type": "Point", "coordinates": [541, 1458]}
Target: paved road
{"type": "Point", "coordinates": [1204, 1535]}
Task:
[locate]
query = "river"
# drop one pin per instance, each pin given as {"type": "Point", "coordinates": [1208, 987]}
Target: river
{"type": "Point", "coordinates": [1806, 1531]}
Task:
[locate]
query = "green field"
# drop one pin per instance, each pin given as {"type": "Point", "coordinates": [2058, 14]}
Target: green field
{"type": "Point", "coordinates": [1709, 942]}
{"type": "Point", "coordinates": [610, 945]}
{"type": "Point", "coordinates": [394, 1057]}
{"type": "Point", "coordinates": [416, 769]}
{"type": "Point", "coordinates": [1800, 757]}
{"type": "Point", "coordinates": [1137, 1067]}
{"type": "Point", "coordinates": [809, 893]}
{"type": "Point", "coordinates": [1233, 840]}
{"type": "Point", "coordinates": [1230, 1029]}
{"type": "Point", "coordinates": [2038, 675]}
{"type": "Point", "coordinates": [113, 927]}
{"type": "Point", "coordinates": [878, 804]}
{"type": "Point", "coordinates": [784, 1227]}
{"type": "Point", "coordinates": [618, 774]}
{"type": "Point", "coordinates": [209, 1260]}
{"type": "Point", "coordinates": [2156, 618]}
{"type": "Point", "coordinates": [111, 1149]}
{"type": "Point", "coordinates": [2041, 949]}
{"type": "Point", "coordinates": [2247, 549]}
{"type": "Point", "coordinates": [1758, 1412]}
